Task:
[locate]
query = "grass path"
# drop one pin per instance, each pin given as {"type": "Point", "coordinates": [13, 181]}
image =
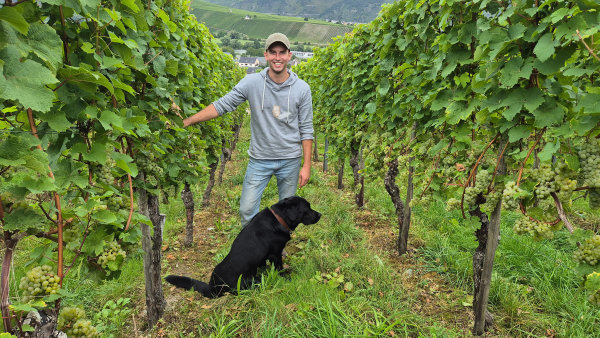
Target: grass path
{"type": "Point", "coordinates": [365, 288]}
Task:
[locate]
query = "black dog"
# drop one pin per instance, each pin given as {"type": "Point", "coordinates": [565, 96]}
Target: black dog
{"type": "Point", "coordinates": [262, 239]}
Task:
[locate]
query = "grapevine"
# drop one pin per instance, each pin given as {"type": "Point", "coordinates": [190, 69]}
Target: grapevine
{"type": "Point", "coordinates": [124, 72]}
{"type": "Point", "coordinates": [464, 72]}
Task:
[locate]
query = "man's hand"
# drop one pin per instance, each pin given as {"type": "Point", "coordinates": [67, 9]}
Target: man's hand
{"type": "Point", "coordinates": [204, 115]}
{"type": "Point", "coordinates": [304, 176]}
{"type": "Point", "coordinates": [305, 170]}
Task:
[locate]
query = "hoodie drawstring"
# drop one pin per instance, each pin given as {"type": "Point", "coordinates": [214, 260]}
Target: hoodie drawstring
{"type": "Point", "coordinates": [262, 103]}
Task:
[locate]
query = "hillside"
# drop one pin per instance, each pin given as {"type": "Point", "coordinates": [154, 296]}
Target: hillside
{"type": "Point", "coordinates": [259, 25]}
{"type": "Point", "coordinates": [341, 10]}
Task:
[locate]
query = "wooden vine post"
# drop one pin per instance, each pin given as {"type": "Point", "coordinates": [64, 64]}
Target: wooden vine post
{"type": "Point", "coordinates": [488, 237]}
{"type": "Point", "coordinates": [325, 156]}
{"type": "Point", "coordinates": [151, 243]}
{"type": "Point", "coordinates": [188, 201]}
{"type": "Point", "coordinates": [406, 217]}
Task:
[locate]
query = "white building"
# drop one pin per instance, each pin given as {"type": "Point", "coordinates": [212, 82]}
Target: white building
{"type": "Point", "coordinates": [303, 55]}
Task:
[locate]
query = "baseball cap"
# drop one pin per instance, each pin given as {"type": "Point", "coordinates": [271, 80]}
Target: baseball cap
{"type": "Point", "coordinates": [277, 37]}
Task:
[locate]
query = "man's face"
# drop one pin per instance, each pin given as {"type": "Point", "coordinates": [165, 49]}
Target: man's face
{"type": "Point", "coordinates": [278, 57]}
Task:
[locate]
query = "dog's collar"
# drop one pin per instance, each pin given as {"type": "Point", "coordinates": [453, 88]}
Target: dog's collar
{"type": "Point", "coordinates": [281, 221]}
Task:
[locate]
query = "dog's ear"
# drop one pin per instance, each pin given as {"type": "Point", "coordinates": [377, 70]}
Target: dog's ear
{"type": "Point", "coordinates": [292, 210]}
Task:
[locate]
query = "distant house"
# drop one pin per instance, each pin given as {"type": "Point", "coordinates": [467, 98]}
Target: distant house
{"type": "Point", "coordinates": [247, 17]}
{"type": "Point", "coordinates": [262, 61]}
{"type": "Point", "coordinates": [252, 70]}
{"type": "Point", "coordinates": [303, 55]}
{"type": "Point", "coordinates": [248, 62]}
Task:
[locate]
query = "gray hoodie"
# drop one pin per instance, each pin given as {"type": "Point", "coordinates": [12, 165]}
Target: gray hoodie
{"type": "Point", "coordinates": [281, 114]}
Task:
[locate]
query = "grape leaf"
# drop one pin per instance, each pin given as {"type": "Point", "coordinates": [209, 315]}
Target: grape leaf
{"type": "Point", "coordinates": [518, 133]}
{"type": "Point", "coordinates": [548, 114]}
{"type": "Point", "coordinates": [131, 4]}
{"type": "Point", "coordinates": [13, 16]}
{"type": "Point", "coordinates": [26, 81]}
{"type": "Point", "coordinates": [125, 162]}
{"type": "Point", "coordinates": [549, 150]}
{"type": "Point", "coordinates": [45, 44]}
{"type": "Point", "coordinates": [544, 48]}
{"type": "Point", "coordinates": [23, 219]}
{"type": "Point", "coordinates": [57, 120]}
{"type": "Point", "coordinates": [104, 216]}
{"type": "Point", "coordinates": [84, 78]}
{"type": "Point", "coordinates": [510, 72]}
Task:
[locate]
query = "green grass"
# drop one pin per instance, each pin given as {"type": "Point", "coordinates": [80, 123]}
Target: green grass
{"type": "Point", "coordinates": [217, 17]}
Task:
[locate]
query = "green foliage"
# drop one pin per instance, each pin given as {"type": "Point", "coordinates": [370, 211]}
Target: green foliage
{"type": "Point", "coordinates": [474, 81]}
{"type": "Point", "coordinates": [106, 85]}
{"type": "Point", "coordinates": [113, 316]}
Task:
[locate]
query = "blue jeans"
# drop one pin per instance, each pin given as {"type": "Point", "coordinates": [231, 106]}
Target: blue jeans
{"type": "Point", "coordinates": [258, 174]}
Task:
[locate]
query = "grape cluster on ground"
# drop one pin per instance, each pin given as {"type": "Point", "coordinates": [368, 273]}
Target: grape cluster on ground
{"type": "Point", "coordinates": [71, 321]}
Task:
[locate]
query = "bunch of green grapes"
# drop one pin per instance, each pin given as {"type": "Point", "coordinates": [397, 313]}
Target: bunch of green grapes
{"type": "Point", "coordinates": [70, 234]}
{"type": "Point", "coordinates": [105, 174]}
{"type": "Point", "coordinates": [592, 284]}
{"type": "Point", "coordinates": [565, 182]}
{"type": "Point", "coordinates": [545, 177]}
{"type": "Point", "coordinates": [491, 200]}
{"type": "Point", "coordinates": [111, 252]}
{"type": "Point", "coordinates": [589, 158]}
{"type": "Point", "coordinates": [452, 204]}
{"type": "Point", "coordinates": [149, 166]}
{"type": "Point", "coordinates": [510, 196]}
{"type": "Point", "coordinates": [416, 201]}
{"type": "Point", "coordinates": [538, 230]}
{"type": "Point", "coordinates": [483, 179]}
{"type": "Point", "coordinates": [594, 198]}
{"type": "Point", "coordinates": [589, 251]}
{"type": "Point", "coordinates": [594, 298]}
{"type": "Point", "coordinates": [424, 147]}
{"type": "Point", "coordinates": [448, 160]}
{"type": "Point", "coordinates": [71, 321]}
{"type": "Point", "coordinates": [39, 282]}
{"type": "Point", "coordinates": [117, 202]}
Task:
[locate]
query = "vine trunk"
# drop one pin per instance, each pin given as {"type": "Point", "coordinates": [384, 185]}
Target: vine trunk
{"type": "Point", "coordinates": [151, 243]}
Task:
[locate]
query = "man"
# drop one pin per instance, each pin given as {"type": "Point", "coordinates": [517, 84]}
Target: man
{"type": "Point", "coordinates": [281, 126]}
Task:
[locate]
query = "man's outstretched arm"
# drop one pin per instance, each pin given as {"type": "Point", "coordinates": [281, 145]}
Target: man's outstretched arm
{"type": "Point", "coordinates": [210, 112]}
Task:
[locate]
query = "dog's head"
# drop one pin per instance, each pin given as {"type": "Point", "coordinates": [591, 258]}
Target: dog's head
{"type": "Point", "coordinates": [295, 210]}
